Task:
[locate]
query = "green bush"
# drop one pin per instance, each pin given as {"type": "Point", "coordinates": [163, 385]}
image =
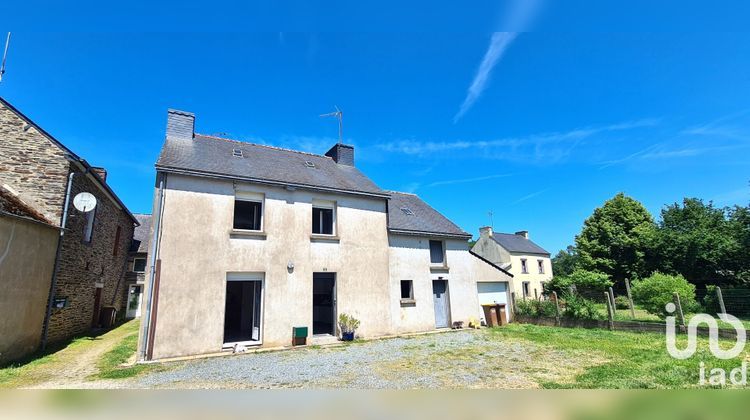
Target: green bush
{"type": "Point", "coordinates": [621, 302]}
{"type": "Point", "coordinates": [536, 308]}
{"type": "Point", "coordinates": [711, 301]}
{"type": "Point", "coordinates": [653, 293]}
{"type": "Point", "coordinates": [586, 283]}
{"type": "Point", "coordinates": [578, 307]}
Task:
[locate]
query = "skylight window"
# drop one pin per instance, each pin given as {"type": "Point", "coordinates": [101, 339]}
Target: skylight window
{"type": "Point", "coordinates": [309, 164]}
{"type": "Point", "coordinates": [407, 211]}
{"type": "Point", "coordinates": [237, 152]}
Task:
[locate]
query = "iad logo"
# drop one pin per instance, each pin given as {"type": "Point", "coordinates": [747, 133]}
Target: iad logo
{"type": "Point", "coordinates": [718, 376]}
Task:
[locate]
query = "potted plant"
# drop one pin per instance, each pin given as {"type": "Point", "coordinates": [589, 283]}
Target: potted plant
{"type": "Point", "coordinates": [348, 324]}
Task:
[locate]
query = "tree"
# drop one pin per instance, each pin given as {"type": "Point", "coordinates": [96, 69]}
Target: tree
{"type": "Point", "coordinates": [739, 226]}
{"type": "Point", "coordinates": [653, 293]}
{"type": "Point", "coordinates": [587, 283]}
{"type": "Point", "coordinates": [564, 263]}
{"type": "Point", "coordinates": [696, 240]}
{"type": "Point", "coordinates": [615, 238]}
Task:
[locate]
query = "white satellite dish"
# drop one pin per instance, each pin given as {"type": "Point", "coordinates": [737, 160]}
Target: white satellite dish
{"type": "Point", "coordinates": [84, 202]}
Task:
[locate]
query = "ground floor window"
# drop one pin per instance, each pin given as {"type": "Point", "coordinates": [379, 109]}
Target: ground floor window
{"type": "Point", "coordinates": [407, 290]}
{"type": "Point", "coordinates": [526, 289]}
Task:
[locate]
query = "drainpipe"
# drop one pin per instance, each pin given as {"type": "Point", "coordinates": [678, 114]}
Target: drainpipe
{"type": "Point", "coordinates": [53, 284]}
{"type": "Point", "coordinates": [152, 272]}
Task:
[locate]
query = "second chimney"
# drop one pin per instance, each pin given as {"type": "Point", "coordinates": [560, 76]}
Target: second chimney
{"type": "Point", "coordinates": [101, 172]}
{"type": "Point", "coordinates": [180, 124]}
{"type": "Point", "coordinates": [524, 233]}
{"type": "Point", "coordinates": [485, 232]}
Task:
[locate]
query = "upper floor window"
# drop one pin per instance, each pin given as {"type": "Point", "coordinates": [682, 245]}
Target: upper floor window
{"type": "Point", "coordinates": [139, 265]}
{"type": "Point", "coordinates": [437, 253]}
{"type": "Point", "coordinates": [524, 266]}
{"type": "Point", "coordinates": [540, 263]}
{"type": "Point", "coordinates": [248, 211]}
{"type": "Point", "coordinates": [88, 230]}
{"type": "Point", "coordinates": [323, 217]}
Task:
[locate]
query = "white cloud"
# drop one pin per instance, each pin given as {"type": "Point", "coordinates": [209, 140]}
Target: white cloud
{"type": "Point", "coordinates": [467, 180]}
{"type": "Point", "coordinates": [529, 196]}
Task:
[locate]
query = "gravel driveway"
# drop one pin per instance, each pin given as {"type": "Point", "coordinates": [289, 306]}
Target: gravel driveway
{"type": "Point", "coordinates": [456, 359]}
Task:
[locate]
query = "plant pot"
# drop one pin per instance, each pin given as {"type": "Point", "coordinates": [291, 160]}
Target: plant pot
{"type": "Point", "coordinates": [347, 336]}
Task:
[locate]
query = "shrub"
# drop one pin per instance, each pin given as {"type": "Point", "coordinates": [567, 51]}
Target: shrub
{"type": "Point", "coordinates": [348, 323]}
{"type": "Point", "coordinates": [653, 293]}
{"type": "Point", "coordinates": [536, 308]}
{"type": "Point", "coordinates": [711, 301]}
{"type": "Point", "coordinates": [587, 283]}
{"type": "Point", "coordinates": [578, 307]}
{"type": "Point", "coordinates": [621, 302]}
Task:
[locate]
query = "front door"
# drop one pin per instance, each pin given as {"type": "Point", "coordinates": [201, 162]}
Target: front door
{"type": "Point", "coordinates": [243, 309]}
{"type": "Point", "coordinates": [135, 294]}
{"type": "Point", "coordinates": [324, 303]}
{"type": "Point", "coordinates": [442, 303]}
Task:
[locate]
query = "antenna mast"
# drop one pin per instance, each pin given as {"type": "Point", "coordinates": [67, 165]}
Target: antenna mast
{"type": "Point", "coordinates": [492, 224]}
{"type": "Point", "coordinates": [5, 54]}
{"type": "Point", "coordinates": [340, 115]}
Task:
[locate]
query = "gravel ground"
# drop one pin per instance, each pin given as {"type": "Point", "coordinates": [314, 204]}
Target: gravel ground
{"type": "Point", "coordinates": [462, 359]}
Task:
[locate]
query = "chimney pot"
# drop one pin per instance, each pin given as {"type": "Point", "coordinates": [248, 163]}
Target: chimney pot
{"type": "Point", "coordinates": [524, 233]}
{"type": "Point", "coordinates": [101, 173]}
{"type": "Point", "coordinates": [485, 232]}
{"type": "Point", "coordinates": [342, 154]}
{"type": "Point", "coordinates": [180, 124]}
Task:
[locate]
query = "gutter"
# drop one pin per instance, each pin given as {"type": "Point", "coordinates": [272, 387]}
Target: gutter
{"type": "Point", "coordinates": [268, 182]}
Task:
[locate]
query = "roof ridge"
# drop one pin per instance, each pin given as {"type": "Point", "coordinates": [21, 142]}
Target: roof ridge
{"type": "Point", "coordinates": [263, 145]}
{"type": "Point", "coordinates": [401, 192]}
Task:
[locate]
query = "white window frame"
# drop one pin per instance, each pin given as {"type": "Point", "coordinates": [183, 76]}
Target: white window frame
{"type": "Point", "coordinates": [249, 276]}
{"type": "Point", "coordinates": [328, 205]}
{"type": "Point", "coordinates": [540, 264]}
{"type": "Point", "coordinates": [524, 266]}
{"type": "Point", "coordinates": [445, 254]}
{"type": "Point", "coordinates": [253, 197]}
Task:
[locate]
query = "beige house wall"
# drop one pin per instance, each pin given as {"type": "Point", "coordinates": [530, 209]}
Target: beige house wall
{"type": "Point", "coordinates": [410, 260]}
{"type": "Point", "coordinates": [27, 256]}
{"type": "Point", "coordinates": [533, 276]}
{"type": "Point", "coordinates": [197, 251]}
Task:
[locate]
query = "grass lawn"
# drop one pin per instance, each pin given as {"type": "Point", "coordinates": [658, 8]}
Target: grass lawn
{"type": "Point", "coordinates": [632, 360]}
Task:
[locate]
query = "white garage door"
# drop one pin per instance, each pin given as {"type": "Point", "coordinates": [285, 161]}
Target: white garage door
{"type": "Point", "coordinates": [493, 292]}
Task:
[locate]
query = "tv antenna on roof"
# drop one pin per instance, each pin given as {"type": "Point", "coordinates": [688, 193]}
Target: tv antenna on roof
{"type": "Point", "coordinates": [5, 54]}
{"type": "Point", "coordinates": [340, 115]}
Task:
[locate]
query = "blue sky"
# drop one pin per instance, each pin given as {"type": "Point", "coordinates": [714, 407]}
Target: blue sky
{"type": "Point", "coordinates": [537, 127]}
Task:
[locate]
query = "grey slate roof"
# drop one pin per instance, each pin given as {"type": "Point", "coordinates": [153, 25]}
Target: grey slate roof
{"type": "Point", "coordinates": [425, 219]}
{"type": "Point", "coordinates": [142, 234]}
{"type": "Point", "coordinates": [259, 163]}
{"type": "Point", "coordinates": [517, 243]}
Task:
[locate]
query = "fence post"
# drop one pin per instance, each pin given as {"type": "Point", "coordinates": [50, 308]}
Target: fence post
{"type": "Point", "coordinates": [630, 299]}
{"type": "Point", "coordinates": [610, 315]}
{"type": "Point", "coordinates": [557, 309]}
{"type": "Point", "coordinates": [612, 300]}
{"type": "Point", "coordinates": [679, 310]}
{"type": "Point", "coordinates": [513, 304]}
{"type": "Point", "coordinates": [721, 300]}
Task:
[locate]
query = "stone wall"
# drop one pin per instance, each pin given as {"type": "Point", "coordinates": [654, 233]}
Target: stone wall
{"type": "Point", "coordinates": [84, 265]}
{"type": "Point", "coordinates": [32, 165]}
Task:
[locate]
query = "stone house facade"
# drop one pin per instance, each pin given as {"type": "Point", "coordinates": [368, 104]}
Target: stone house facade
{"type": "Point", "coordinates": [94, 248]}
{"type": "Point", "coordinates": [253, 242]}
{"type": "Point", "coordinates": [135, 276]}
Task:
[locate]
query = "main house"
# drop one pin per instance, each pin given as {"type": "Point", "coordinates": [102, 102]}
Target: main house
{"type": "Point", "coordinates": [85, 285]}
{"type": "Point", "coordinates": [252, 241]}
{"type": "Point", "coordinates": [529, 263]}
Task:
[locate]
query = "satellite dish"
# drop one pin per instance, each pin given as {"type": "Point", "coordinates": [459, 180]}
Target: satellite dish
{"type": "Point", "coordinates": [84, 202]}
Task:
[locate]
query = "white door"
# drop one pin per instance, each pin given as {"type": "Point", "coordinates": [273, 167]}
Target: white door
{"type": "Point", "coordinates": [493, 292]}
{"type": "Point", "coordinates": [135, 295]}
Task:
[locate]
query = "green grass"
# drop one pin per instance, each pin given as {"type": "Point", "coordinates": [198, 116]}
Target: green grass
{"type": "Point", "coordinates": [632, 360]}
{"type": "Point", "coordinates": [110, 364]}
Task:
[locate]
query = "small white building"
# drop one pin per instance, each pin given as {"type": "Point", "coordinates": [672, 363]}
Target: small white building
{"type": "Point", "coordinates": [529, 263]}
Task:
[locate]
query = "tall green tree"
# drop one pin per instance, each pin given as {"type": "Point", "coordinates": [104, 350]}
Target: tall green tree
{"type": "Point", "coordinates": [615, 239]}
{"type": "Point", "coordinates": [696, 240]}
{"type": "Point", "coordinates": [739, 226]}
{"type": "Point", "coordinates": [564, 263]}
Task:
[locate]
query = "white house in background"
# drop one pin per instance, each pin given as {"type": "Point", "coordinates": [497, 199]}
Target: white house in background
{"type": "Point", "coordinates": [529, 263]}
{"type": "Point", "coordinates": [253, 241]}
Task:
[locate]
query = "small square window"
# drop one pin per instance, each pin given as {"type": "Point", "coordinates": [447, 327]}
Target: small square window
{"type": "Point", "coordinates": [323, 220]}
{"type": "Point", "coordinates": [139, 265]}
{"type": "Point", "coordinates": [437, 254]}
{"type": "Point", "coordinates": [524, 266]}
{"type": "Point", "coordinates": [540, 263]}
{"type": "Point", "coordinates": [248, 215]}
{"type": "Point", "coordinates": [407, 289]}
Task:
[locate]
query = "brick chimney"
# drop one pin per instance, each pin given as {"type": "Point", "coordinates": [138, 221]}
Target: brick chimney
{"type": "Point", "coordinates": [180, 124]}
{"type": "Point", "coordinates": [342, 154]}
{"type": "Point", "coordinates": [101, 173]}
{"type": "Point", "coordinates": [485, 232]}
{"type": "Point", "coordinates": [524, 233]}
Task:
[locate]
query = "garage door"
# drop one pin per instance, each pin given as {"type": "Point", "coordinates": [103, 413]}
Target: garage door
{"type": "Point", "coordinates": [493, 292]}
